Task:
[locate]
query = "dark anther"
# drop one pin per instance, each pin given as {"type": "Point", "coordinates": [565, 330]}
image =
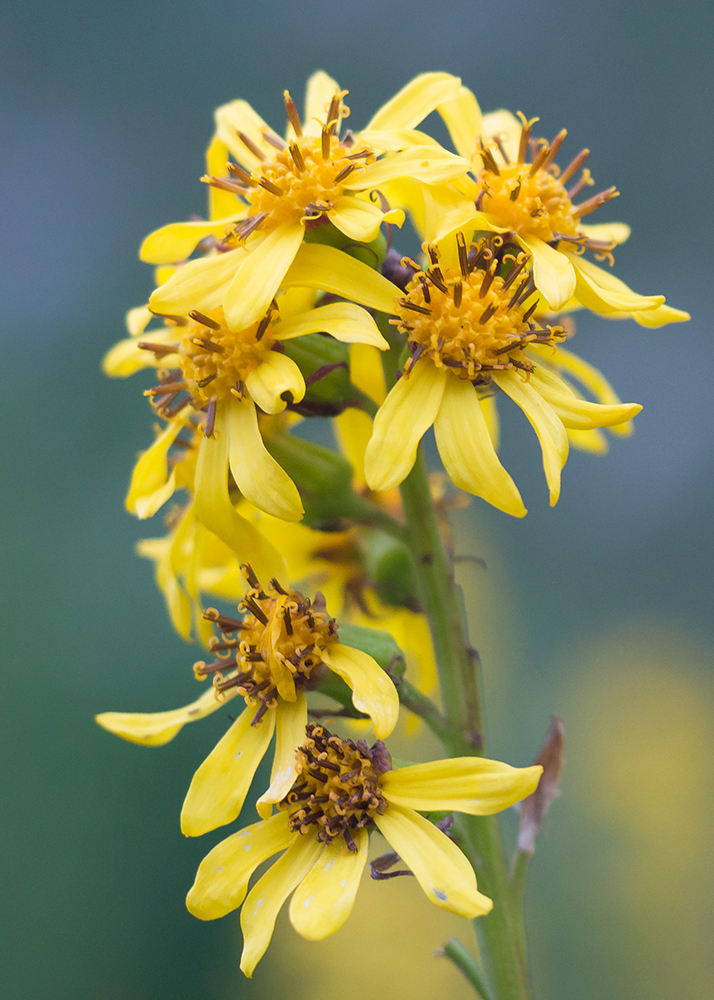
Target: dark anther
{"type": "Point", "coordinates": [249, 144]}
{"type": "Point", "coordinates": [488, 160]}
{"type": "Point", "coordinates": [463, 254]}
{"type": "Point", "coordinates": [269, 186]}
{"type": "Point", "coordinates": [325, 142]}
{"type": "Point", "coordinates": [487, 279]}
{"type": "Point", "coordinates": [345, 172]}
{"type": "Point", "coordinates": [324, 370]}
{"type": "Point", "coordinates": [501, 148]}
{"type": "Point", "coordinates": [292, 113]}
{"type": "Point", "coordinates": [554, 148]}
{"type": "Point", "coordinates": [488, 312]}
{"type": "Point", "coordinates": [159, 349]}
{"type": "Point", "coordinates": [262, 709]}
{"type": "Point", "coordinates": [263, 325]}
{"type": "Point", "coordinates": [210, 418]}
{"type": "Point", "coordinates": [531, 309]}
{"type": "Point", "coordinates": [242, 174]}
{"type": "Point", "coordinates": [517, 294]}
{"type": "Point", "coordinates": [296, 154]}
{"type": "Point", "coordinates": [249, 574]}
{"type": "Point", "coordinates": [458, 292]}
{"type": "Point", "coordinates": [513, 273]}
{"type": "Point", "coordinates": [274, 140]}
{"type": "Point", "coordinates": [573, 167]}
{"type": "Point", "coordinates": [255, 610]}
{"type": "Point", "coordinates": [318, 775]}
{"type": "Point", "coordinates": [204, 381]}
{"type": "Point", "coordinates": [207, 345]}
{"type": "Point", "coordinates": [288, 621]}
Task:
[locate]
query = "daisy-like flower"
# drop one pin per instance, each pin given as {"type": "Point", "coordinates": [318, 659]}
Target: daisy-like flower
{"type": "Point", "coordinates": [223, 374]}
{"type": "Point", "coordinates": [271, 657]}
{"type": "Point", "coordinates": [470, 333]}
{"type": "Point", "coordinates": [286, 187]}
{"type": "Point", "coordinates": [341, 792]}
{"type": "Point", "coordinates": [519, 188]}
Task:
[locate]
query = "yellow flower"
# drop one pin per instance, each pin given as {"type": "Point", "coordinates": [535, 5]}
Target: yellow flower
{"type": "Point", "coordinates": [520, 189]}
{"type": "Point", "coordinates": [341, 792]}
{"type": "Point", "coordinates": [470, 334]}
{"type": "Point", "coordinates": [286, 187]}
{"type": "Point", "coordinates": [223, 374]}
{"type": "Point", "coordinates": [271, 657]}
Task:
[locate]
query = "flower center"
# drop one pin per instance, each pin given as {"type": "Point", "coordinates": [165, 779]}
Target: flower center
{"type": "Point", "coordinates": [531, 197]}
{"type": "Point", "coordinates": [337, 789]}
{"type": "Point", "coordinates": [473, 320]}
{"type": "Point", "coordinates": [216, 361]}
{"type": "Point", "coordinates": [299, 181]}
{"type": "Point", "coordinates": [280, 640]}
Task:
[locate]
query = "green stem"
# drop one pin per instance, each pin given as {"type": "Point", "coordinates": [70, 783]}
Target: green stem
{"type": "Point", "coordinates": [499, 933]}
{"type": "Point", "coordinates": [467, 964]}
{"type": "Point", "coordinates": [416, 702]}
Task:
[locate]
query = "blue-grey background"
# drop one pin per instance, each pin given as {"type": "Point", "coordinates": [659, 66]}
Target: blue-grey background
{"type": "Point", "coordinates": [600, 609]}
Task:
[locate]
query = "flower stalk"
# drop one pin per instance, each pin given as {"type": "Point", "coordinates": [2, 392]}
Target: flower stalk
{"type": "Point", "coordinates": [500, 933]}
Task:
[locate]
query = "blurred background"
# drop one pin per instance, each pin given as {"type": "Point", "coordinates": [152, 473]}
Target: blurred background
{"type": "Point", "coordinates": [599, 610]}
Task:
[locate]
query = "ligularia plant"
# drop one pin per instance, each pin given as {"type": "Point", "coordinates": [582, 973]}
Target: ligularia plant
{"type": "Point", "coordinates": [289, 303]}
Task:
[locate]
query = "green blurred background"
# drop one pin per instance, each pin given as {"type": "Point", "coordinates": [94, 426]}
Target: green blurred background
{"type": "Point", "coordinates": [600, 609]}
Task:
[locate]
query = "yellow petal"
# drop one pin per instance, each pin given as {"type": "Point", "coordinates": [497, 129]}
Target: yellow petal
{"type": "Point", "coordinates": [602, 292]}
{"type": "Point", "coordinates": [261, 272]}
{"type": "Point", "coordinates": [446, 212]}
{"type": "Point", "coordinates": [138, 319]}
{"type": "Point", "coordinates": [257, 918]}
{"type": "Point", "coordinates": [580, 414]}
{"type": "Point", "coordinates": [552, 271]}
{"type": "Point", "coordinates": [416, 100]}
{"type": "Point", "coordinates": [153, 729]}
{"type": "Point", "coordinates": [428, 164]}
{"type": "Point", "coordinates": [331, 270]}
{"type": "Point", "coordinates": [126, 357]}
{"type": "Point", "coordinates": [325, 897]}
{"type": "Point", "coordinates": [366, 372]}
{"type": "Point", "coordinates": [258, 476]}
{"type": "Point", "coordinates": [353, 430]}
{"type": "Point", "coordinates": [489, 408]}
{"type": "Point", "coordinates": [473, 785]}
{"type": "Point", "coordinates": [466, 449]}
{"type": "Point", "coordinates": [507, 127]}
{"type": "Point", "coordinates": [220, 203]}
{"type": "Point", "coordinates": [660, 316]}
{"type": "Point", "coordinates": [551, 433]}
{"type": "Point", "coordinates": [359, 219]}
{"type": "Point", "coordinates": [275, 375]}
{"type": "Point", "coordinates": [222, 878]}
{"type": "Point", "coordinates": [201, 284]}
{"type": "Point", "coordinates": [178, 240]}
{"type": "Point", "coordinates": [442, 870]}
{"type": "Point", "coordinates": [289, 735]}
{"type": "Point", "coordinates": [220, 785]}
{"type": "Point", "coordinates": [151, 485]}
{"type": "Point", "coordinates": [373, 691]}
{"type": "Point", "coordinates": [462, 116]}
{"type": "Point", "coordinates": [239, 116]}
{"type": "Point", "coordinates": [215, 510]}
{"type": "Point", "coordinates": [320, 90]}
{"type": "Point", "coordinates": [394, 139]}
{"type": "Point", "coordinates": [610, 232]}
{"type": "Point", "coordinates": [344, 321]}
{"type": "Point", "coordinates": [405, 416]}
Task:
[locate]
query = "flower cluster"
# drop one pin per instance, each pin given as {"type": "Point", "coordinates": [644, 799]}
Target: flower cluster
{"type": "Point", "coordinates": [289, 304]}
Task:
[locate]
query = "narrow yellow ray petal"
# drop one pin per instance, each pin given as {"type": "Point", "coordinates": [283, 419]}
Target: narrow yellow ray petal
{"type": "Point", "coordinates": [578, 413]}
{"type": "Point", "coordinates": [489, 408]}
{"type": "Point", "coordinates": [360, 220]}
{"type": "Point", "coordinates": [257, 918]}
{"type": "Point", "coordinates": [289, 735]}
{"type": "Point", "coordinates": [325, 897]}
{"type": "Point", "coordinates": [179, 239]}
{"type": "Point", "coordinates": [507, 127]}
{"type": "Point", "coordinates": [610, 232]}
{"type": "Point", "coordinates": [222, 878]}
{"type": "Point", "coordinates": [220, 202]}
{"type": "Point", "coordinates": [201, 284]}
{"type": "Point", "coordinates": [366, 372]}
{"type": "Point", "coordinates": [373, 691]}
{"type": "Point", "coordinates": [552, 271]}
{"type": "Point", "coordinates": [463, 119]}
{"type": "Point", "coordinates": [276, 374]}
{"type": "Point", "coordinates": [215, 510]}
{"type": "Point", "coordinates": [154, 729]}
{"type": "Point", "coordinates": [447, 211]}
{"type": "Point", "coordinates": [138, 319]}
{"type": "Point", "coordinates": [394, 139]}
{"type": "Point", "coordinates": [601, 291]}
{"type": "Point", "coordinates": [344, 321]}
{"type": "Point", "coordinates": [150, 479]}
{"type": "Point", "coordinates": [331, 270]}
{"type": "Point", "coordinates": [441, 869]}
{"type": "Point", "coordinates": [260, 274]}
{"type": "Point", "coordinates": [220, 785]}
{"type": "Point", "coordinates": [473, 785]}
{"type": "Point", "coordinates": [428, 164]}
{"type": "Point", "coordinates": [415, 101]}
{"type": "Point", "coordinates": [319, 92]}
{"type": "Point", "coordinates": [405, 416]}
{"type": "Point", "coordinates": [258, 476]}
{"type": "Point", "coordinates": [467, 451]}
{"type": "Point", "coordinates": [551, 433]}
{"type": "Point", "coordinates": [660, 316]}
{"type": "Point", "coordinates": [239, 116]}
